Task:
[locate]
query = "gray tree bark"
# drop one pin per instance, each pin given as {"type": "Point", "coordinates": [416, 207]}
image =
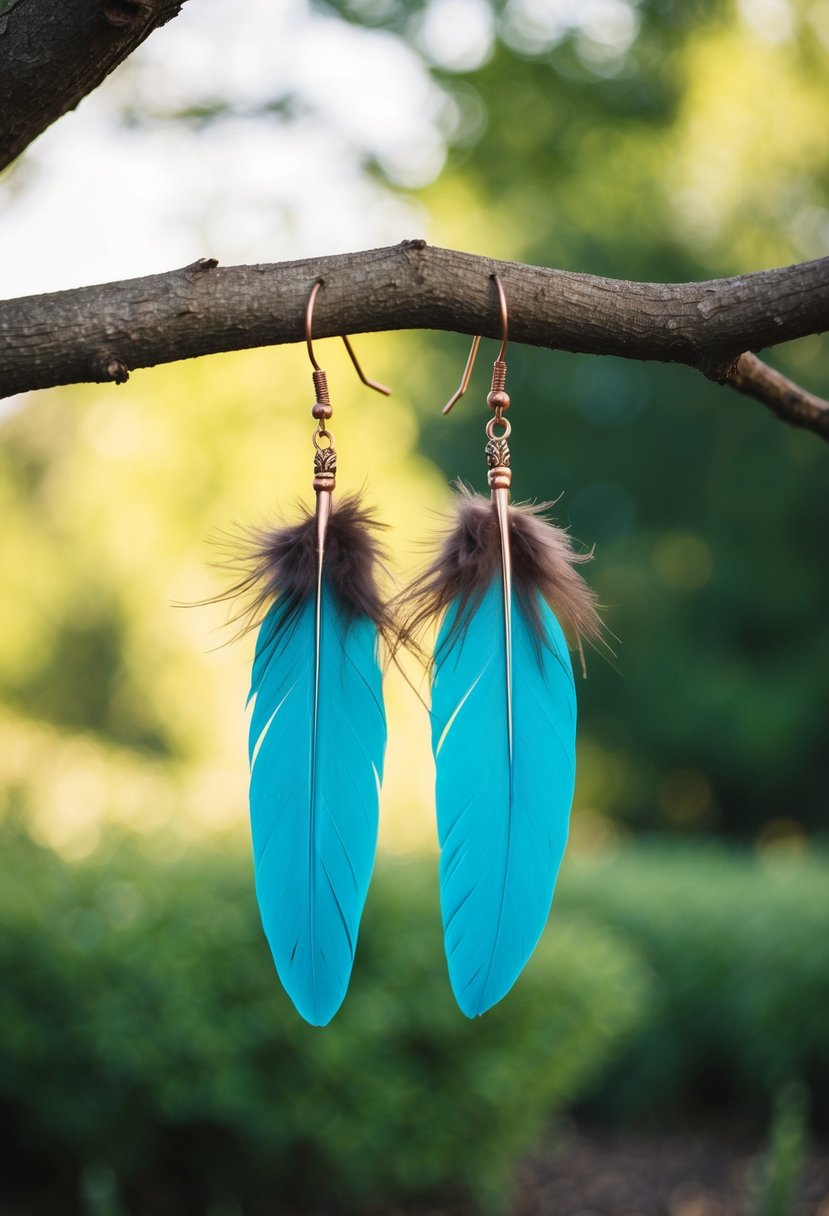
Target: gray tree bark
{"type": "Point", "coordinates": [54, 52]}
{"type": "Point", "coordinates": [101, 333]}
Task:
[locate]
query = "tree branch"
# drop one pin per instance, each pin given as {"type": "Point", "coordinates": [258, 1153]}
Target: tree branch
{"type": "Point", "coordinates": [787, 400]}
{"type": "Point", "coordinates": [54, 52]}
{"type": "Point", "coordinates": [101, 333]}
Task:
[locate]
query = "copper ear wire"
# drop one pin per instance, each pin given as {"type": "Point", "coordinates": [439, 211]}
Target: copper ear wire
{"type": "Point", "coordinates": [499, 368]}
{"type": "Point", "coordinates": [309, 342]}
{"type": "Point", "coordinates": [499, 473]}
{"type": "Point", "coordinates": [467, 373]}
{"type": "Point", "coordinates": [367, 381]}
{"type": "Point", "coordinates": [497, 449]}
{"type": "Point", "coordinates": [325, 457]}
{"type": "Point", "coordinates": [322, 408]}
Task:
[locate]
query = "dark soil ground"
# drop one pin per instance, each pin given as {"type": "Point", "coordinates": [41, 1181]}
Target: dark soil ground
{"type": "Point", "coordinates": [590, 1172]}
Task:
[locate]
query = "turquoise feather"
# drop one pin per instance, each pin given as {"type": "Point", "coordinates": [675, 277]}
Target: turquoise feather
{"type": "Point", "coordinates": [316, 765]}
{"type": "Point", "coordinates": [503, 792]}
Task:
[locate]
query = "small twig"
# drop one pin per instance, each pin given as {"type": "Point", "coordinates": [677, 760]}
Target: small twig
{"type": "Point", "coordinates": [782, 396]}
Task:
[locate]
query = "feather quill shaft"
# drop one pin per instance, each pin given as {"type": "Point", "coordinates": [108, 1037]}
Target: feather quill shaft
{"type": "Point", "coordinates": [500, 497]}
{"type": "Point", "coordinates": [323, 511]}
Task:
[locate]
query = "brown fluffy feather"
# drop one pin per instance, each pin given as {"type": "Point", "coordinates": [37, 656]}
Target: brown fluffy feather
{"type": "Point", "coordinates": [281, 564]}
{"type": "Point", "coordinates": [543, 558]}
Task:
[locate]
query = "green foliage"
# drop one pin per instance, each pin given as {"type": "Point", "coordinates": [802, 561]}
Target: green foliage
{"type": "Point", "coordinates": [149, 1055]}
{"type": "Point", "coordinates": [787, 1147]}
{"type": "Point", "coordinates": [737, 949]}
{"type": "Point", "coordinates": [147, 1051]}
{"type": "Point", "coordinates": [660, 140]}
{"type": "Point", "coordinates": [148, 1059]}
{"type": "Point", "coordinates": [648, 161]}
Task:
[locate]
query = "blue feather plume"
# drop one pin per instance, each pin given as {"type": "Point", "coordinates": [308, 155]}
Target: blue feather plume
{"type": "Point", "coordinates": [503, 731]}
{"type": "Point", "coordinates": [316, 746]}
{"type": "Point", "coordinates": [503, 790]}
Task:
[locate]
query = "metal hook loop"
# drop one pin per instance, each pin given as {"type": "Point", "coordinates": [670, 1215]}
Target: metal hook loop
{"type": "Point", "coordinates": [309, 342]}
{"type": "Point", "coordinates": [476, 342]}
{"type": "Point", "coordinates": [309, 320]}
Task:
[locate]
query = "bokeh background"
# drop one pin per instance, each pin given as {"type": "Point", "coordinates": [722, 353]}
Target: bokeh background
{"type": "Point", "coordinates": [667, 1050]}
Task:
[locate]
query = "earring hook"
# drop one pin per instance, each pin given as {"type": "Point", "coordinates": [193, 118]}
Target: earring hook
{"type": "Point", "coordinates": [476, 342]}
{"type": "Point", "coordinates": [309, 318]}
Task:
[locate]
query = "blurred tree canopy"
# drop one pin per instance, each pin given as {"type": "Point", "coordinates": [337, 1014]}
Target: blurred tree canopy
{"type": "Point", "coordinates": [659, 140]}
{"type": "Point", "coordinates": [664, 141]}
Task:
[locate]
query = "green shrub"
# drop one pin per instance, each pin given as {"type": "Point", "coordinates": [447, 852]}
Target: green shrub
{"type": "Point", "coordinates": [150, 1062]}
{"type": "Point", "coordinates": [777, 1178]}
{"type": "Point", "coordinates": [737, 946]}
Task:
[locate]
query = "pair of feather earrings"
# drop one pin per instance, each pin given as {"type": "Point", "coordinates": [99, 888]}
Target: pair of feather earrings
{"type": "Point", "coordinates": [503, 721]}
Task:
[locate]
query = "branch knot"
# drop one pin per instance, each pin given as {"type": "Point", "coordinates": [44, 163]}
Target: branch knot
{"type": "Point", "coordinates": [110, 369]}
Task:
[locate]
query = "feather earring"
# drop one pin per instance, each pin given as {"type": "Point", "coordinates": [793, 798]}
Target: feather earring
{"type": "Point", "coordinates": [317, 727]}
{"type": "Point", "coordinates": [503, 714]}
